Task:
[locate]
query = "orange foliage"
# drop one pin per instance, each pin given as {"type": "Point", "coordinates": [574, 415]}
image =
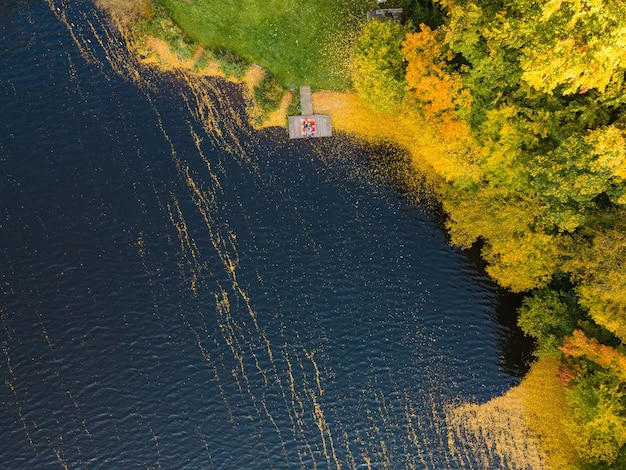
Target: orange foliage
{"type": "Point", "coordinates": [579, 345]}
{"type": "Point", "coordinates": [567, 373]}
{"type": "Point", "coordinates": [438, 91]}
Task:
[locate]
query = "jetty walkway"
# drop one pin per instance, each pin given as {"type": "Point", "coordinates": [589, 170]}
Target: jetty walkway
{"type": "Point", "coordinates": [307, 124]}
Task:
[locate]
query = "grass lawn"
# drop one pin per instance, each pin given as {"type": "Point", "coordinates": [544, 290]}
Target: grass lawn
{"type": "Point", "coordinates": [299, 42]}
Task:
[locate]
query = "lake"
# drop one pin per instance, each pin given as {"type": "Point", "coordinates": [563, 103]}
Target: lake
{"type": "Point", "coordinates": [182, 291]}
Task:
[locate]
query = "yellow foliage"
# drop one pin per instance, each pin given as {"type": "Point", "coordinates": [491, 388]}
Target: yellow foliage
{"type": "Point", "coordinates": [597, 427]}
{"type": "Point", "coordinates": [451, 159]}
{"type": "Point", "coordinates": [606, 301]}
{"type": "Point", "coordinates": [576, 44]}
{"type": "Point", "coordinates": [523, 262]}
{"type": "Point", "coordinates": [520, 258]}
{"type": "Point", "coordinates": [609, 147]}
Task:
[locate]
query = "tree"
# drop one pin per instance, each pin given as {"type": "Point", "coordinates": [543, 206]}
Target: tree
{"type": "Point", "coordinates": [436, 97]}
{"type": "Point", "coordinates": [379, 72]}
{"type": "Point", "coordinates": [597, 426]}
{"type": "Point", "coordinates": [580, 345]}
{"type": "Point", "coordinates": [570, 178]}
{"type": "Point", "coordinates": [548, 316]}
{"type": "Point", "coordinates": [572, 45]}
{"type": "Point", "coordinates": [599, 273]}
{"type": "Point", "coordinates": [437, 90]}
{"type": "Point", "coordinates": [519, 257]}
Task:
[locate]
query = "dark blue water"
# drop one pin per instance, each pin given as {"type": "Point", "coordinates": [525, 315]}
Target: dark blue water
{"type": "Point", "coordinates": [180, 291]}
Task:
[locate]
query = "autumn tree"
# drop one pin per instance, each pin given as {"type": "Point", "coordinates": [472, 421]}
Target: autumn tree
{"type": "Point", "coordinates": [570, 178]}
{"type": "Point", "coordinates": [571, 46]}
{"type": "Point", "coordinates": [578, 344]}
{"type": "Point", "coordinates": [436, 89]}
{"type": "Point", "coordinates": [378, 69]}
{"type": "Point", "coordinates": [519, 256]}
{"type": "Point", "coordinates": [598, 402]}
{"type": "Point", "coordinates": [599, 273]}
{"type": "Point", "coordinates": [597, 425]}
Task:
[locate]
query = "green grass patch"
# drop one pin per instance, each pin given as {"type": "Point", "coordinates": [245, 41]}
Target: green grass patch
{"type": "Point", "coordinates": [159, 25]}
{"type": "Point", "coordinates": [182, 49]}
{"type": "Point", "coordinates": [298, 42]}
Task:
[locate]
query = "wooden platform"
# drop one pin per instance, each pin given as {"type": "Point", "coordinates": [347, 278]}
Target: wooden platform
{"type": "Point", "coordinates": [321, 122]}
{"type": "Point", "coordinates": [393, 14]}
{"type": "Point", "coordinates": [309, 125]}
{"type": "Point", "coordinates": [306, 102]}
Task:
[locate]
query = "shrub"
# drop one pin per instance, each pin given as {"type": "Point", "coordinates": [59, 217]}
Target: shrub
{"type": "Point", "coordinates": [268, 94]}
{"type": "Point", "coordinates": [294, 104]}
{"type": "Point", "coordinates": [231, 64]}
{"type": "Point", "coordinates": [548, 316]}
{"type": "Point", "coordinates": [125, 11]}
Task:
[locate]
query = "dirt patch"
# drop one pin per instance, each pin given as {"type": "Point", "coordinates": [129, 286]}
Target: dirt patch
{"type": "Point", "coordinates": [253, 76]}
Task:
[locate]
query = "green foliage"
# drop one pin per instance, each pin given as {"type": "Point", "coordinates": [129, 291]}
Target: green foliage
{"type": "Point", "coordinates": [268, 94]}
{"type": "Point", "coordinates": [202, 62]}
{"type": "Point", "coordinates": [548, 316]}
{"type": "Point", "coordinates": [181, 48]}
{"type": "Point", "coordinates": [159, 24]}
{"type": "Point", "coordinates": [600, 276]}
{"type": "Point", "coordinates": [378, 66]}
{"type": "Point", "coordinates": [598, 423]}
{"type": "Point", "coordinates": [570, 178]}
{"type": "Point", "coordinates": [426, 12]}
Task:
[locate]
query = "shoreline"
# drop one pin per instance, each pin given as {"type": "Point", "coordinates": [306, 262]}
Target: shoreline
{"type": "Point", "coordinates": [533, 412]}
{"type": "Point", "coordinates": [522, 425]}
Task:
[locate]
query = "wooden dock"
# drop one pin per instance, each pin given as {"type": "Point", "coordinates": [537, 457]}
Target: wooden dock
{"type": "Point", "coordinates": [306, 102]}
{"type": "Point", "coordinates": [320, 123]}
{"type": "Point", "coordinates": [307, 124]}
